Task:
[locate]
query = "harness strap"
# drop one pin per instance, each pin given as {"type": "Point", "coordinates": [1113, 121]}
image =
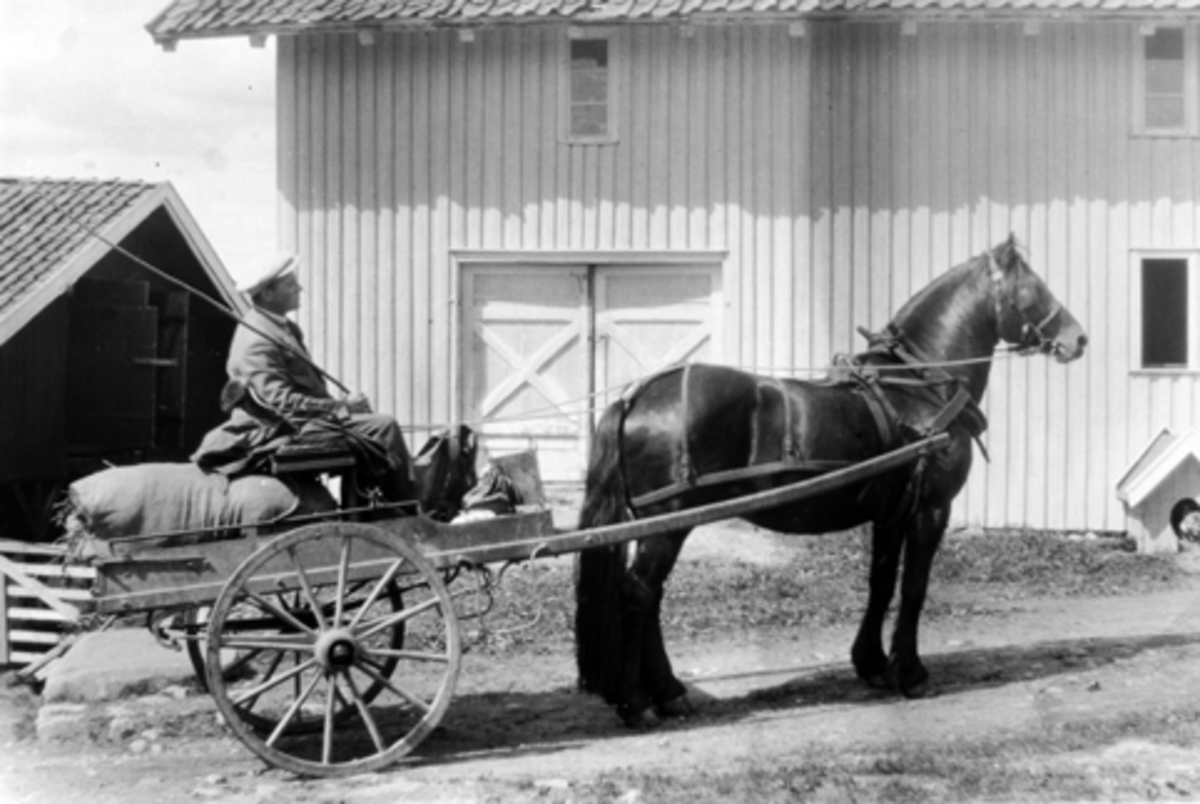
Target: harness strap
{"type": "Point", "coordinates": [788, 462]}
{"type": "Point", "coordinates": [960, 405]}
{"type": "Point", "coordinates": [732, 475]}
{"type": "Point", "coordinates": [686, 470]}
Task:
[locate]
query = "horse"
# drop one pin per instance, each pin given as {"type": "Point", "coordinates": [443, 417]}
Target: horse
{"type": "Point", "coordinates": [697, 434]}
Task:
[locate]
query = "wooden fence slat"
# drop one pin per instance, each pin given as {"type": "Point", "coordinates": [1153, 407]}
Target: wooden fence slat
{"type": "Point", "coordinates": [44, 593]}
{"type": "Point", "coordinates": [5, 653]}
{"type": "Point", "coordinates": [63, 594]}
{"type": "Point", "coordinates": [17, 614]}
{"type": "Point", "coordinates": [63, 571]}
{"type": "Point", "coordinates": [22, 637]}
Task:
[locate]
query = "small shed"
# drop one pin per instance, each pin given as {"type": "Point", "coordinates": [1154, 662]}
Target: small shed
{"type": "Point", "coordinates": [108, 352]}
{"type": "Point", "coordinates": [1166, 471]}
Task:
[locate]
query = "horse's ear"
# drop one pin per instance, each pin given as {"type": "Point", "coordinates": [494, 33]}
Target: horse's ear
{"type": "Point", "coordinates": [1007, 252]}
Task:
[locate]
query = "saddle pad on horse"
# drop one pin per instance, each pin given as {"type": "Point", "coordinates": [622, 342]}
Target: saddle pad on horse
{"type": "Point", "coordinates": [171, 497]}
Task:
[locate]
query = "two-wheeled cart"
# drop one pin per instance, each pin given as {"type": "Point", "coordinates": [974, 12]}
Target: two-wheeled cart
{"type": "Point", "coordinates": [332, 647]}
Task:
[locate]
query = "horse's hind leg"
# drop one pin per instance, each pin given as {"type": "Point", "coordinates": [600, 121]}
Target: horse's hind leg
{"type": "Point", "coordinates": [649, 681]}
{"type": "Point", "coordinates": [921, 545]}
{"type": "Point", "coordinates": [870, 661]}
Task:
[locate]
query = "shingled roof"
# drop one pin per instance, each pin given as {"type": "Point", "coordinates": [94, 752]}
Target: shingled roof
{"type": "Point", "coordinates": [53, 230]}
{"type": "Point", "coordinates": [210, 18]}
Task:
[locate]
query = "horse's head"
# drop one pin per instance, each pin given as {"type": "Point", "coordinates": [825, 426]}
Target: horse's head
{"type": "Point", "coordinates": [1027, 313]}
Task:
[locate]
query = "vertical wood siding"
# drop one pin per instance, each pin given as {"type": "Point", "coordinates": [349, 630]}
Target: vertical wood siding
{"type": "Point", "coordinates": [841, 170]}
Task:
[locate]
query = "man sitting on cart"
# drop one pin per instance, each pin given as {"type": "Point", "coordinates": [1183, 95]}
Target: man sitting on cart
{"type": "Point", "coordinates": [276, 396]}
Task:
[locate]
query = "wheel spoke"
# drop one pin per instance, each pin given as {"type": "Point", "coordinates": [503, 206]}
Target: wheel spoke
{"type": "Point", "coordinates": [412, 655]}
{"type": "Point", "coordinates": [235, 667]}
{"type": "Point", "coordinates": [252, 700]}
{"type": "Point", "coordinates": [281, 614]}
{"type": "Point", "coordinates": [290, 714]}
{"type": "Point", "coordinates": [331, 696]}
{"type": "Point", "coordinates": [381, 623]}
{"type": "Point", "coordinates": [297, 642]}
{"type": "Point", "coordinates": [254, 692]}
{"type": "Point", "coordinates": [308, 590]}
{"type": "Point", "coordinates": [379, 587]}
{"type": "Point", "coordinates": [405, 694]}
{"type": "Point", "coordinates": [365, 713]}
{"type": "Point", "coordinates": [340, 595]}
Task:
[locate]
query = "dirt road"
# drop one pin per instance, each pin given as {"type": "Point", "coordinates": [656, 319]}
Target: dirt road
{"type": "Point", "coordinates": [1054, 699]}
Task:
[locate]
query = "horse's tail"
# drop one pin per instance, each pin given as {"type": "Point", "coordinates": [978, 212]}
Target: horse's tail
{"type": "Point", "coordinates": [600, 571]}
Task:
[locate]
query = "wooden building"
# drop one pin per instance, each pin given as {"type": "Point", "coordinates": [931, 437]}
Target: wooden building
{"type": "Point", "coordinates": [509, 209]}
{"type": "Point", "coordinates": [103, 360]}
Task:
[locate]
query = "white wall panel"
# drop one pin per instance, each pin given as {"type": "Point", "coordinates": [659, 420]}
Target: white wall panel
{"type": "Point", "coordinates": [840, 170]}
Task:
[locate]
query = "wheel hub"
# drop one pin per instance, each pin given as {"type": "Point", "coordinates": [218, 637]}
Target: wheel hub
{"type": "Point", "coordinates": [336, 649]}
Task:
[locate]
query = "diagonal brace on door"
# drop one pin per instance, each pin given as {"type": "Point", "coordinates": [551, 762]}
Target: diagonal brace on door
{"type": "Point", "coordinates": [527, 369]}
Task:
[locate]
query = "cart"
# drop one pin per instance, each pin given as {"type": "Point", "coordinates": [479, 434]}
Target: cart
{"type": "Point", "coordinates": [332, 646]}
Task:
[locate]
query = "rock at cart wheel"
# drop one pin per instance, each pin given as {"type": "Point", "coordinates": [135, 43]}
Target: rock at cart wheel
{"type": "Point", "coordinates": [114, 664]}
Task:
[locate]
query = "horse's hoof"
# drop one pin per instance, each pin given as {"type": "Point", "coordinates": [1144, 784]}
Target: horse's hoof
{"type": "Point", "coordinates": [676, 707]}
{"type": "Point", "coordinates": [879, 681]}
{"type": "Point", "coordinates": [639, 719]}
{"type": "Point", "coordinates": [920, 690]}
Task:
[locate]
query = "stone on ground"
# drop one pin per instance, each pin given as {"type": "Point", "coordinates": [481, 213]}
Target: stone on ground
{"type": "Point", "coordinates": [114, 664]}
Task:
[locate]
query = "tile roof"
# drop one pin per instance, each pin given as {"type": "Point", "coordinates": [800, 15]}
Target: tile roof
{"type": "Point", "coordinates": [199, 18]}
{"type": "Point", "coordinates": [40, 227]}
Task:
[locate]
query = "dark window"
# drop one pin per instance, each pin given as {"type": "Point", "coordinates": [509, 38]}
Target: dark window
{"type": "Point", "coordinates": [589, 89]}
{"type": "Point", "coordinates": [1165, 313]}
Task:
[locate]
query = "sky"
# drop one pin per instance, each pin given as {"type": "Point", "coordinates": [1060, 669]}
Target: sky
{"type": "Point", "coordinates": [86, 93]}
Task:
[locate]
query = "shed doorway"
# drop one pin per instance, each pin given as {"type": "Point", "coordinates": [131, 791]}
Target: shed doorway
{"type": "Point", "coordinates": [546, 347]}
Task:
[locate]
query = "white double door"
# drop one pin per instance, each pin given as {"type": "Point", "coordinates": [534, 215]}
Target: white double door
{"type": "Point", "coordinates": [547, 347]}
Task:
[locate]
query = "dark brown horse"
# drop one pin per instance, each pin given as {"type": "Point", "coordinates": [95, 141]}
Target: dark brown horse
{"type": "Point", "coordinates": [696, 434]}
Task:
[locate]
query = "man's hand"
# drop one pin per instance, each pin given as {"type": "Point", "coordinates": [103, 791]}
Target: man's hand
{"type": "Point", "coordinates": [357, 403]}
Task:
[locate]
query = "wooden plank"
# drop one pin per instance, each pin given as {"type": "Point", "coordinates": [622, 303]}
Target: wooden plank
{"type": "Point", "coordinates": [5, 644]}
{"type": "Point", "coordinates": [24, 614]}
{"type": "Point", "coordinates": [65, 571]}
{"type": "Point", "coordinates": [20, 636]}
{"type": "Point", "coordinates": [46, 594]}
{"type": "Point", "coordinates": [440, 321]}
{"type": "Point", "coordinates": [783, 268]}
{"type": "Point", "coordinates": [420, 246]}
{"type": "Point", "coordinates": [20, 593]}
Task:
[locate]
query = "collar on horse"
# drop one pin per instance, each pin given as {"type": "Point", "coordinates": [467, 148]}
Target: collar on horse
{"type": "Point", "coordinates": [932, 381]}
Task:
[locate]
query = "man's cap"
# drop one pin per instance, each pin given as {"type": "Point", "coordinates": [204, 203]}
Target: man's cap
{"type": "Point", "coordinates": [276, 267]}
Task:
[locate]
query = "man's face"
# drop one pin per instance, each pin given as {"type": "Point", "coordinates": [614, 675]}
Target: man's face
{"type": "Point", "coordinates": [283, 296]}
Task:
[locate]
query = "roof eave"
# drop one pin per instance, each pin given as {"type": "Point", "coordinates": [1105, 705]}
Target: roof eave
{"type": "Point", "coordinates": [104, 239]}
{"type": "Point", "coordinates": [926, 13]}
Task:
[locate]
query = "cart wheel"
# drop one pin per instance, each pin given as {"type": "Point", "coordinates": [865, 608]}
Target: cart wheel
{"type": "Point", "coordinates": [349, 679]}
{"type": "Point", "coordinates": [246, 619]}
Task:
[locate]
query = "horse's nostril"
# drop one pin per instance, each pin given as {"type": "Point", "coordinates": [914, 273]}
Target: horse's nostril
{"type": "Point", "coordinates": [1083, 341]}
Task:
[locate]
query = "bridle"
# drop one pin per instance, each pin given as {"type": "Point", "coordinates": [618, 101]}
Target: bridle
{"type": "Point", "coordinates": [1033, 335]}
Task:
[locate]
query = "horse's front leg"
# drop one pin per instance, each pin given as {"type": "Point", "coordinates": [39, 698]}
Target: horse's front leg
{"type": "Point", "coordinates": [867, 654]}
{"type": "Point", "coordinates": [921, 545]}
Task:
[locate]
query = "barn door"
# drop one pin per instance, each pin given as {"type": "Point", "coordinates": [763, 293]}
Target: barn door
{"type": "Point", "coordinates": [545, 347]}
{"type": "Point", "coordinates": [651, 317]}
{"type": "Point", "coordinates": [525, 366]}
